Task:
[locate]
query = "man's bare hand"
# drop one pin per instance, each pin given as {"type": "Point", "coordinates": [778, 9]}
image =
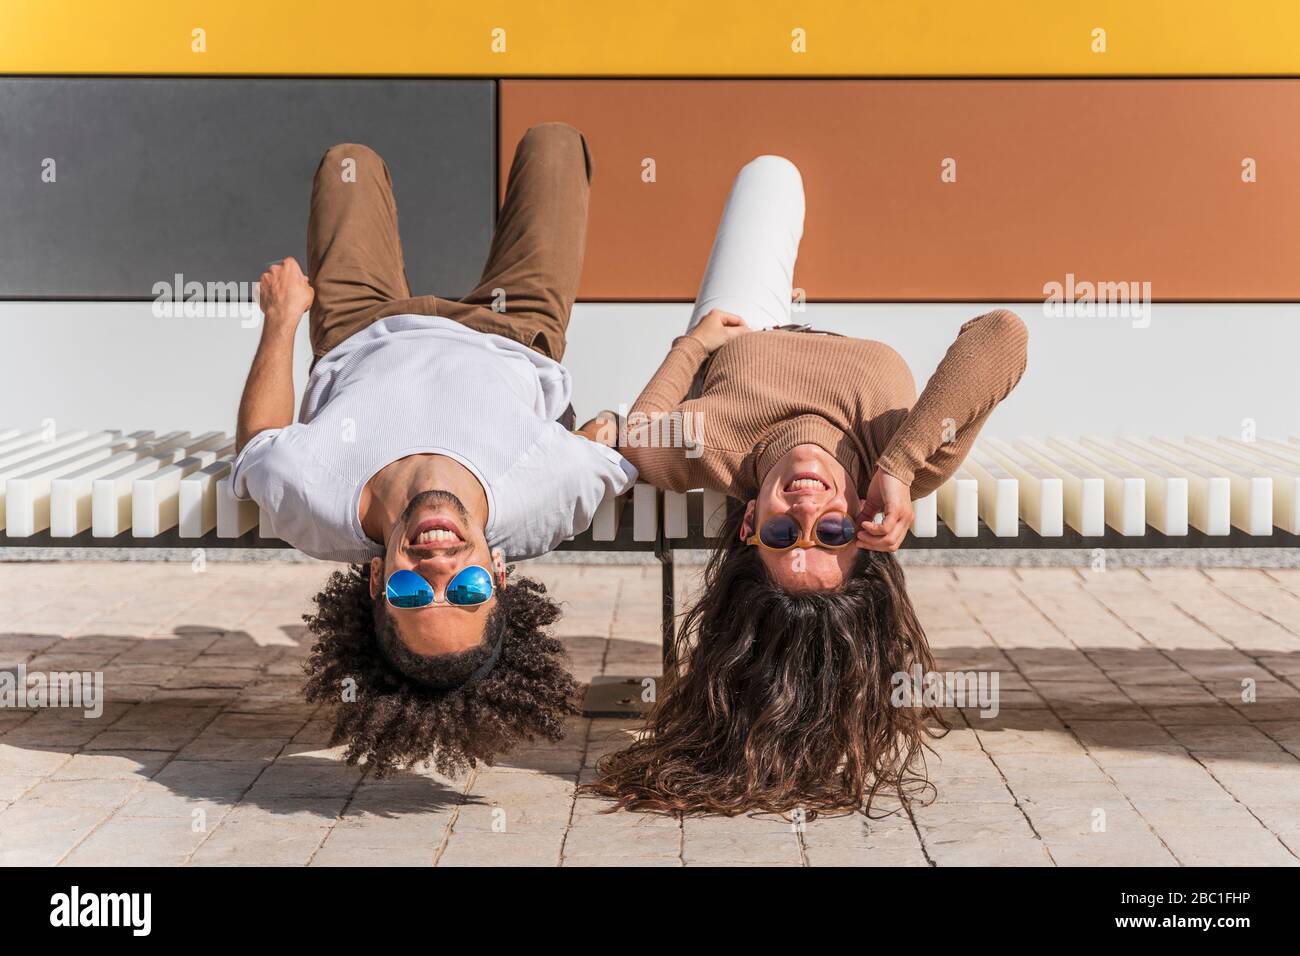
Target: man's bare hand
{"type": "Point", "coordinates": [603, 429]}
{"type": "Point", "coordinates": [718, 328]}
{"type": "Point", "coordinates": [892, 499]}
{"type": "Point", "coordinates": [285, 294]}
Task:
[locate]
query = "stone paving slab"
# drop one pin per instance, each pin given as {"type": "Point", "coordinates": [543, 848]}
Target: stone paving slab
{"type": "Point", "coordinates": [1147, 716]}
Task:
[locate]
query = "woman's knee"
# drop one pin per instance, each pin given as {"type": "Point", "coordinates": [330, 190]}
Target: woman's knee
{"type": "Point", "coordinates": [774, 184]}
{"type": "Point", "coordinates": [774, 172]}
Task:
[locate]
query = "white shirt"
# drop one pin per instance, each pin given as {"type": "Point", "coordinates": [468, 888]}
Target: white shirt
{"type": "Point", "coordinates": [425, 385]}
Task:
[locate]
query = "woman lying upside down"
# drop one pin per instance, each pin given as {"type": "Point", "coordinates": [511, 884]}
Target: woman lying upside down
{"type": "Point", "coordinates": [780, 697]}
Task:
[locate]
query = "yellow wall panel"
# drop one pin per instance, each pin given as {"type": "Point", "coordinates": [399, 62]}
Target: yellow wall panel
{"type": "Point", "coordinates": [652, 37]}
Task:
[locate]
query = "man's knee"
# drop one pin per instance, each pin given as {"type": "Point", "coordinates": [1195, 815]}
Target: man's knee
{"type": "Point", "coordinates": [559, 133]}
{"type": "Point", "coordinates": [345, 158]}
{"type": "Point", "coordinates": [559, 140]}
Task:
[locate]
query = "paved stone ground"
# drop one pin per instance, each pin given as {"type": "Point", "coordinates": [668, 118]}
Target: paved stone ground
{"type": "Point", "coordinates": [1124, 735]}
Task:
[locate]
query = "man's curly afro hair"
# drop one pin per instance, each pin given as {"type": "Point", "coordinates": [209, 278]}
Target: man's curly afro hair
{"type": "Point", "coordinates": [394, 721]}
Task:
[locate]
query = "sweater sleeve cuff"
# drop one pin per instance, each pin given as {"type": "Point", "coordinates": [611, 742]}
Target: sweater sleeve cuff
{"type": "Point", "coordinates": [690, 346]}
{"type": "Point", "coordinates": [896, 467]}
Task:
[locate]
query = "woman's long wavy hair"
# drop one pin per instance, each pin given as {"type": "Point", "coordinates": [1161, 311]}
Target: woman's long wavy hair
{"type": "Point", "coordinates": [782, 701]}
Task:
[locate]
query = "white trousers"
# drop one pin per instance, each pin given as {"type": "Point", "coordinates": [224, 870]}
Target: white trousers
{"type": "Point", "coordinates": [751, 268]}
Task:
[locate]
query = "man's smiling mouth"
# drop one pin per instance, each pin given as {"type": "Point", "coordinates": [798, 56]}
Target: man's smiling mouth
{"type": "Point", "coordinates": [437, 533]}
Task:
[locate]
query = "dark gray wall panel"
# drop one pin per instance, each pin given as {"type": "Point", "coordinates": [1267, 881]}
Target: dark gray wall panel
{"type": "Point", "coordinates": [211, 177]}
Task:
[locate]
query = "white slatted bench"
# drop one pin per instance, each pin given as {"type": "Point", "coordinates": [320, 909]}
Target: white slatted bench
{"type": "Point", "coordinates": [108, 489]}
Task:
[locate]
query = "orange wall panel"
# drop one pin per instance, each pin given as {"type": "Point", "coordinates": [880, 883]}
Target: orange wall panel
{"type": "Point", "coordinates": [1111, 180]}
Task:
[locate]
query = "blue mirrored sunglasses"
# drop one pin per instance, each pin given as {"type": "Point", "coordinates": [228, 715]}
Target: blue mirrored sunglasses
{"type": "Point", "coordinates": [470, 586]}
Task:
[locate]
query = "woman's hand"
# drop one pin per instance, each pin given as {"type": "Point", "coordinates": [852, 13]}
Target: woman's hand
{"type": "Point", "coordinates": [886, 496]}
{"type": "Point", "coordinates": [718, 328]}
{"type": "Point", "coordinates": [284, 294]}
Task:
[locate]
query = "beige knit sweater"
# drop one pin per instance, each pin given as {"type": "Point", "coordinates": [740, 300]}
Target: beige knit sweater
{"type": "Point", "coordinates": [766, 392]}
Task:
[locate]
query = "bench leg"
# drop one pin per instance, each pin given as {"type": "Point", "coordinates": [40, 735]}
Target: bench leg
{"type": "Point", "coordinates": [669, 610]}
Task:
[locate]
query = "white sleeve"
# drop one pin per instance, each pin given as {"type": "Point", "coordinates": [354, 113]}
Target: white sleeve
{"type": "Point", "coordinates": [598, 472]}
{"type": "Point", "coordinates": [251, 474]}
{"type": "Point", "coordinates": [553, 492]}
{"type": "Point", "coordinates": [622, 474]}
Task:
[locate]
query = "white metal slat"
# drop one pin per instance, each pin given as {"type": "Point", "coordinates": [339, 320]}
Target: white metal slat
{"type": "Point", "coordinates": [645, 512]}
{"type": "Point", "coordinates": [27, 496]}
{"type": "Point", "coordinates": [925, 516]}
{"type": "Point", "coordinates": [959, 504]}
{"type": "Point", "coordinates": [604, 524]}
{"type": "Point", "coordinates": [999, 494]}
{"type": "Point", "coordinates": [1126, 498]}
{"type": "Point", "coordinates": [197, 501]}
{"type": "Point", "coordinates": [1284, 472]}
{"type": "Point", "coordinates": [235, 516]}
{"type": "Point", "coordinates": [1083, 495]}
{"type": "Point", "coordinates": [1209, 494]}
{"type": "Point", "coordinates": [1166, 490]}
{"type": "Point", "coordinates": [1252, 490]}
{"type": "Point", "coordinates": [715, 512]}
{"type": "Point", "coordinates": [676, 515]}
{"type": "Point", "coordinates": [1042, 496]}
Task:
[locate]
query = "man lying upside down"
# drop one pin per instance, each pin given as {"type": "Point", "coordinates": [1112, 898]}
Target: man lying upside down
{"type": "Point", "coordinates": [433, 441]}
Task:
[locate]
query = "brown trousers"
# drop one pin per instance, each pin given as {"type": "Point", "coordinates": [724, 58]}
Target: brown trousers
{"type": "Point", "coordinates": [355, 259]}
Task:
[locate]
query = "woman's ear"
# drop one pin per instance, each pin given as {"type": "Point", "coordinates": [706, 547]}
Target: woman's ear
{"type": "Point", "coordinates": [747, 526]}
{"type": "Point", "coordinates": [376, 578]}
{"type": "Point", "coordinates": [499, 567]}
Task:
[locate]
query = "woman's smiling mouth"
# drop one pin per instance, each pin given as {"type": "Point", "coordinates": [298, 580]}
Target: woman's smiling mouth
{"type": "Point", "coordinates": [806, 483]}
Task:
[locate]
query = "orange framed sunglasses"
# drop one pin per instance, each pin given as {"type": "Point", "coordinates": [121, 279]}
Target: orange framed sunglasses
{"type": "Point", "coordinates": [833, 529]}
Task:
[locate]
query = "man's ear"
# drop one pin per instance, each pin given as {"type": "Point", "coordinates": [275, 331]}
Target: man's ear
{"type": "Point", "coordinates": [376, 578]}
{"type": "Point", "coordinates": [747, 526]}
{"type": "Point", "coordinates": [499, 567]}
